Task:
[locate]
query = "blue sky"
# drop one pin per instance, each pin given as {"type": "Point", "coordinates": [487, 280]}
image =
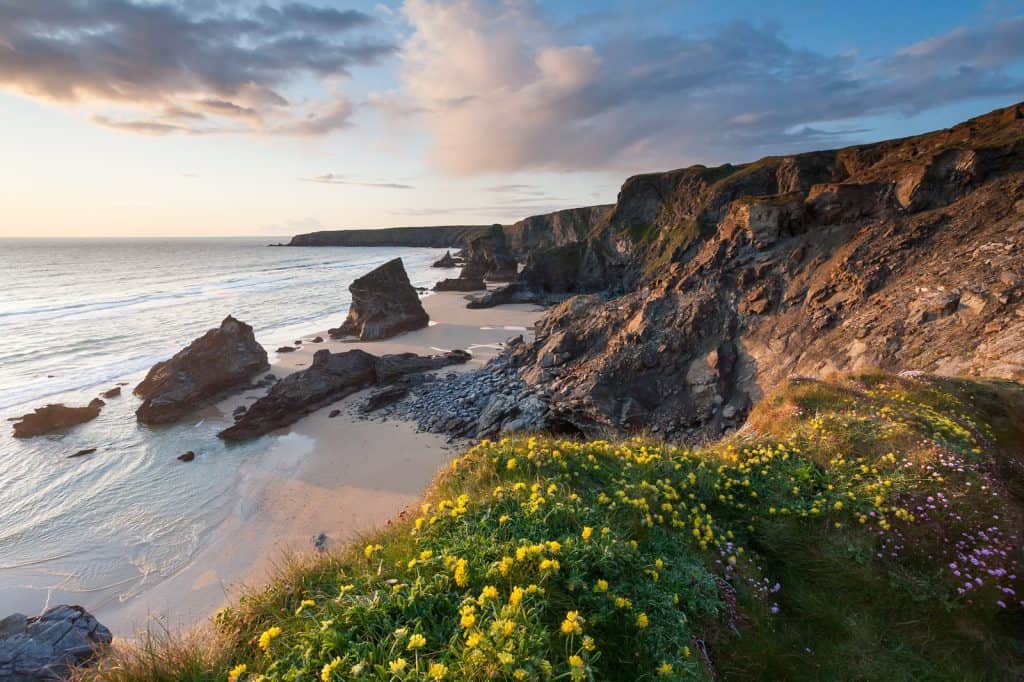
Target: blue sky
{"type": "Point", "coordinates": [192, 117]}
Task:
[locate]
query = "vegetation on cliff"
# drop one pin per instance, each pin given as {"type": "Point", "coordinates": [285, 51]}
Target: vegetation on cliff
{"type": "Point", "coordinates": [862, 528]}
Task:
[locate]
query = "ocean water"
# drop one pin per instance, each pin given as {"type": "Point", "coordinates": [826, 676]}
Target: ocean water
{"type": "Point", "coordinates": [79, 317]}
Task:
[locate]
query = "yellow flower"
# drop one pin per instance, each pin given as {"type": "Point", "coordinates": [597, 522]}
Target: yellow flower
{"type": "Point", "coordinates": [437, 671]}
{"type": "Point", "coordinates": [588, 643]}
{"type": "Point", "coordinates": [587, 532]}
{"type": "Point", "coordinates": [573, 624]}
{"type": "Point", "coordinates": [370, 550]}
{"type": "Point", "coordinates": [328, 670]}
{"type": "Point", "coordinates": [489, 592]}
{"type": "Point", "coordinates": [468, 616]}
{"type": "Point", "coordinates": [417, 641]}
{"type": "Point", "coordinates": [576, 661]}
{"type": "Point", "coordinates": [642, 620]}
{"type": "Point", "coordinates": [473, 639]}
{"type": "Point", "coordinates": [516, 598]}
{"type": "Point", "coordinates": [511, 464]}
{"type": "Point", "coordinates": [268, 636]}
{"type": "Point", "coordinates": [503, 519]}
{"type": "Point", "coordinates": [601, 585]}
{"type": "Point", "coordinates": [665, 669]}
{"type": "Point", "coordinates": [304, 604]}
{"type": "Point", "coordinates": [398, 665]}
{"type": "Point", "coordinates": [237, 672]}
{"type": "Point", "coordinates": [461, 574]}
{"type": "Point", "coordinates": [505, 658]}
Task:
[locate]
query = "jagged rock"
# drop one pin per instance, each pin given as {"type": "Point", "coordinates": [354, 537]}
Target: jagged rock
{"type": "Point", "coordinates": [220, 362]}
{"type": "Point", "coordinates": [55, 417]}
{"type": "Point", "coordinates": [187, 456]}
{"type": "Point", "coordinates": [384, 303]}
{"type": "Point", "coordinates": [445, 261]}
{"type": "Point", "coordinates": [720, 282]}
{"type": "Point", "coordinates": [460, 284]}
{"type": "Point", "coordinates": [47, 647]}
{"type": "Point", "coordinates": [331, 377]}
{"type": "Point", "coordinates": [112, 393]}
{"type": "Point", "coordinates": [384, 397]}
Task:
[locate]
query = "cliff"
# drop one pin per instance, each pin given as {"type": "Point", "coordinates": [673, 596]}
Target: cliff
{"type": "Point", "coordinates": [555, 229]}
{"type": "Point", "coordinates": [440, 237]}
{"type": "Point", "coordinates": [717, 283]}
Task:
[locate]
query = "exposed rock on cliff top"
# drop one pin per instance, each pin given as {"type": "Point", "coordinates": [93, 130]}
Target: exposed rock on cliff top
{"type": "Point", "coordinates": [52, 418]}
{"type": "Point", "coordinates": [221, 361]}
{"type": "Point", "coordinates": [902, 254]}
{"type": "Point", "coordinates": [384, 303]}
{"type": "Point", "coordinates": [47, 647]}
{"type": "Point", "coordinates": [331, 377]}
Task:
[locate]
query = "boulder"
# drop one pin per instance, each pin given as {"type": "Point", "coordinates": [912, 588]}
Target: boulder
{"type": "Point", "coordinates": [331, 377]}
{"type": "Point", "coordinates": [285, 349]}
{"type": "Point", "coordinates": [49, 646]}
{"type": "Point", "coordinates": [384, 397]}
{"type": "Point", "coordinates": [187, 456]}
{"type": "Point", "coordinates": [460, 284]}
{"type": "Point", "coordinates": [55, 417]}
{"type": "Point", "coordinates": [112, 393]}
{"type": "Point", "coordinates": [446, 261]}
{"type": "Point", "coordinates": [384, 303]}
{"type": "Point", "coordinates": [220, 362]}
{"type": "Point", "coordinates": [82, 453]}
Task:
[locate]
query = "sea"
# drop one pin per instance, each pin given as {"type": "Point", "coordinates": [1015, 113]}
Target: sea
{"type": "Point", "coordinates": [78, 317]}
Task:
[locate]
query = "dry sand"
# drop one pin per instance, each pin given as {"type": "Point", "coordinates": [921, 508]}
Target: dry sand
{"type": "Point", "coordinates": [340, 476]}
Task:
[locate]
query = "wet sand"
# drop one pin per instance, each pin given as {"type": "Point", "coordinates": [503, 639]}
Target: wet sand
{"type": "Point", "coordinates": [341, 477]}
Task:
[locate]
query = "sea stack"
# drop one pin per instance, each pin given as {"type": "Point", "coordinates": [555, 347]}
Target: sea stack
{"type": "Point", "coordinates": [384, 304]}
{"type": "Point", "coordinates": [219, 362]}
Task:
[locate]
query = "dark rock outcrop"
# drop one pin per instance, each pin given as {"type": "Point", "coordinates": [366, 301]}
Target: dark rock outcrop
{"type": "Point", "coordinates": [285, 349]}
{"type": "Point", "coordinates": [445, 261]}
{"type": "Point", "coordinates": [220, 362]}
{"type": "Point", "coordinates": [460, 284]}
{"type": "Point", "coordinates": [720, 282]}
{"type": "Point", "coordinates": [115, 392]}
{"type": "Point", "coordinates": [384, 304]}
{"type": "Point", "coordinates": [384, 397]}
{"type": "Point", "coordinates": [432, 237]}
{"type": "Point", "coordinates": [51, 418]}
{"type": "Point", "coordinates": [331, 377]}
{"type": "Point", "coordinates": [187, 456]}
{"type": "Point", "coordinates": [49, 646]}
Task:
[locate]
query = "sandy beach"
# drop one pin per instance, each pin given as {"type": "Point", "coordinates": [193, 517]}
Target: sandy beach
{"type": "Point", "coordinates": [339, 476]}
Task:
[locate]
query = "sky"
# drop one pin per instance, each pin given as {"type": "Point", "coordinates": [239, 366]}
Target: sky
{"type": "Point", "coordinates": [133, 118]}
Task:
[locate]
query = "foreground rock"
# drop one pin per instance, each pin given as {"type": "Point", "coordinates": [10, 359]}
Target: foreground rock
{"type": "Point", "coordinates": [47, 647]}
{"type": "Point", "coordinates": [384, 304]}
{"type": "Point", "coordinates": [216, 364]}
{"type": "Point", "coordinates": [331, 377]}
{"type": "Point", "coordinates": [56, 417]}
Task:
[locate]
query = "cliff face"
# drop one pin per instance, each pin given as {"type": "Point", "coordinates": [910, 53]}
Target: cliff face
{"type": "Point", "coordinates": [442, 237]}
{"type": "Point", "coordinates": [555, 229]}
{"type": "Point", "coordinates": [906, 254]}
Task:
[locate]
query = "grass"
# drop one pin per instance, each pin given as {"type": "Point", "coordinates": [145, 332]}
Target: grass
{"type": "Point", "coordinates": [864, 528]}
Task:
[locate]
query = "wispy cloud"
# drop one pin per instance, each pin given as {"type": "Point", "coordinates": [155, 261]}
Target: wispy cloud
{"type": "Point", "coordinates": [162, 67]}
{"type": "Point", "coordinates": [504, 87]}
{"type": "Point", "coordinates": [335, 179]}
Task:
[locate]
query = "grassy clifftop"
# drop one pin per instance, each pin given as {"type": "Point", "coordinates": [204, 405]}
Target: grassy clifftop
{"type": "Point", "coordinates": [865, 528]}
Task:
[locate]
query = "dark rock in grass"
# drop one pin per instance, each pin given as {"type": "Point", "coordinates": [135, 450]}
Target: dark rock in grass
{"type": "Point", "coordinates": [52, 418]}
{"type": "Point", "coordinates": [331, 377]}
{"type": "Point", "coordinates": [320, 542]}
{"type": "Point", "coordinates": [384, 397]}
{"type": "Point", "coordinates": [220, 362]}
{"type": "Point", "coordinates": [384, 304]}
{"type": "Point", "coordinates": [82, 453]}
{"type": "Point", "coordinates": [49, 646]}
{"type": "Point", "coordinates": [112, 393]}
{"type": "Point", "coordinates": [187, 456]}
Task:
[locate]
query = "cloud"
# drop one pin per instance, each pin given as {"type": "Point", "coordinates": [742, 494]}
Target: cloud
{"type": "Point", "coordinates": [160, 66]}
{"type": "Point", "coordinates": [504, 87]}
{"type": "Point", "coordinates": [334, 179]}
